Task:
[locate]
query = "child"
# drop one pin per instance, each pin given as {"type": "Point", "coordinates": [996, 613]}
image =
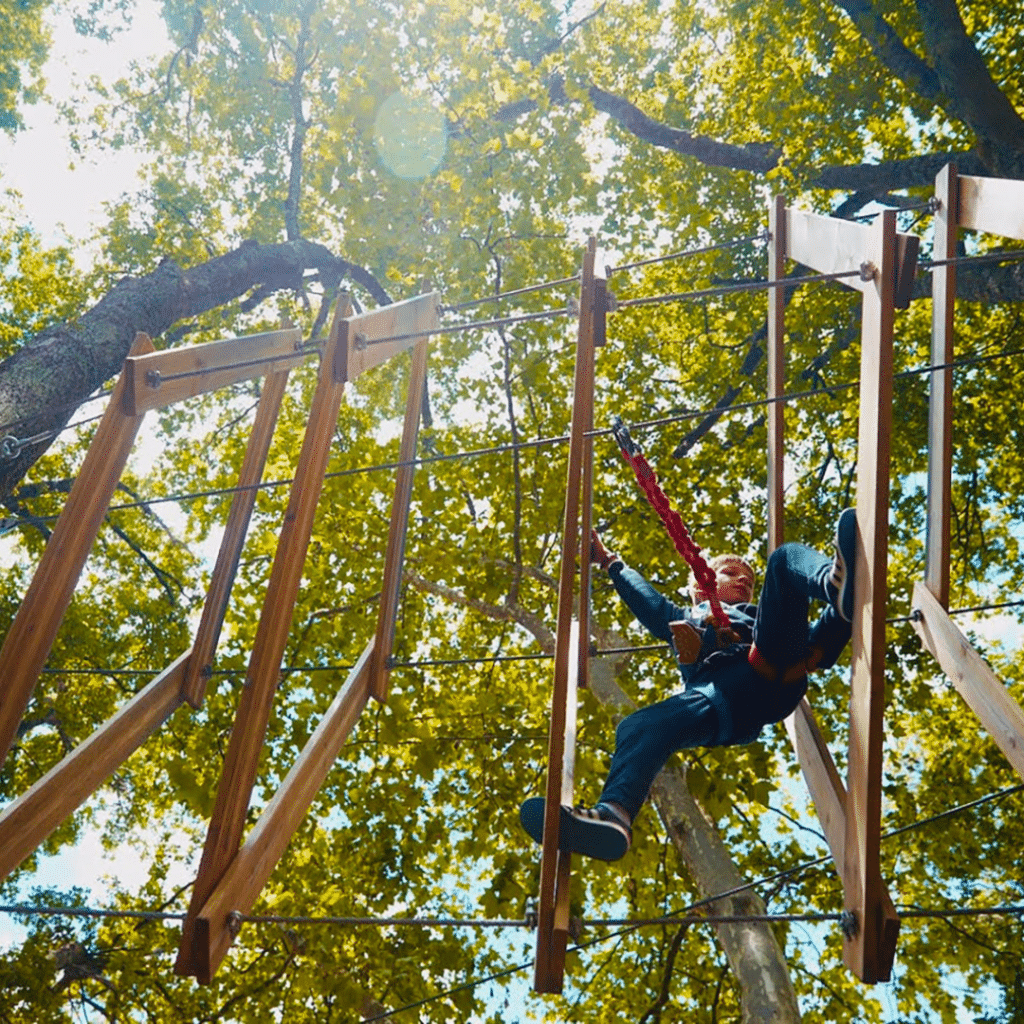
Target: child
{"type": "Point", "coordinates": [737, 679]}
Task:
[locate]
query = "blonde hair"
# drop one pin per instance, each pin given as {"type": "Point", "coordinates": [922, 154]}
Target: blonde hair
{"type": "Point", "coordinates": [716, 563]}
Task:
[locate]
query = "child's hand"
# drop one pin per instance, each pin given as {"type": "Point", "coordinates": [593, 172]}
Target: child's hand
{"type": "Point", "coordinates": [599, 554]}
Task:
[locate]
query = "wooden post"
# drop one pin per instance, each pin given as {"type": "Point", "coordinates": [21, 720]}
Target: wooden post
{"type": "Point", "coordinates": [387, 613]}
{"type": "Point", "coordinates": [940, 399]}
{"type": "Point", "coordinates": [254, 706]}
{"type": "Point", "coordinates": [35, 627]}
{"type": "Point", "coordinates": [776, 373]}
{"type": "Point", "coordinates": [863, 949]}
{"type": "Point", "coordinates": [552, 919]}
{"type": "Point", "coordinates": [974, 680]}
{"type": "Point", "coordinates": [28, 820]}
{"type": "Point", "coordinates": [249, 870]}
{"type": "Point", "coordinates": [197, 674]}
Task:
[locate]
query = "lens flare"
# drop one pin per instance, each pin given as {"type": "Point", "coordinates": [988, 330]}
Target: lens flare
{"type": "Point", "coordinates": [409, 136]}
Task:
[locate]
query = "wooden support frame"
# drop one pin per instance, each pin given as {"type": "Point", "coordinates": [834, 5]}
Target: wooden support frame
{"type": "Point", "coordinates": [216, 924]}
{"type": "Point", "coordinates": [851, 818]}
{"type": "Point", "coordinates": [253, 715]}
{"type": "Point", "coordinates": [571, 643]}
{"type": "Point", "coordinates": [31, 636]}
{"type": "Point", "coordinates": [985, 694]}
{"type": "Point", "coordinates": [776, 413]}
{"type": "Point", "coordinates": [29, 819]}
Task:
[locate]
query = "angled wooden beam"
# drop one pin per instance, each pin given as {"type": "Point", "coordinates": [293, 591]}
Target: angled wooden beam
{"type": "Point", "coordinates": [29, 819]}
{"type": "Point", "coordinates": [373, 338]}
{"type": "Point", "coordinates": [387, 611]}
{"type": "Point", "coordinates": [995, 205]}
{"type": "Point", "coordinates": [198, 672]}
{"type": "Point", "coordinates": [254, 706]}
{"type": "Point", "coordinates": [552, 906]}
{"type": "Point", "coordinates": [162, 378]}
{"type": "Point", "coordinates": [864, 949]}
{"type": "Point", "coordinates": [250, 869]}
{"type": "Point", "coordinates": [970, 674]}
{"type": "Point", "coordinates": [35, 627]}
{"type": "Point", "coordinates": [833, 246]}
{"type": "Point", "coordinates": [940, 398]}
{"type": "Point", "coordinates": [776, 373]}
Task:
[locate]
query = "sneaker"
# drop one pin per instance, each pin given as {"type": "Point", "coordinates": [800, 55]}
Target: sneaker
{"type": "Point", "coordinates": [594, 832]}
{"type": "Point", "coordinates": [839, 585]}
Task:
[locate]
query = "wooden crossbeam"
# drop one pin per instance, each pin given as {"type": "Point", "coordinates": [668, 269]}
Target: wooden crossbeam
{"type": "Point", "coordinates": [163, 378]}
{"type": "Point", "coordinates": [254, 706]}
{"type": "Point", "coordinates": [200, 665]}
{"type": "Point", "coordinates": [940, 397]}
{"type": "Point", "coordinates": [552, 904]}
{"type": "Point", "coordinates": [970, 674]}
{"type": "Point", "coordinates": [995, 205]}
{"type": "Point", "coordinates": [29, 819]}
{"type": "Point", "coordinates": [30, 638]}
{"type": "Point", "coordinates": [249, 870]}
{"type": "Point", "coordinates": [375, 337]}
{"type": "Point", "coordinates": [387, 612]}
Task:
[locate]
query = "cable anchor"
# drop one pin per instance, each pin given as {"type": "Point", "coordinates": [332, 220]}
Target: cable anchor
{"type": "Point", "coordinates": [622, 438]}
{"type": "Point", "coordinates": [867, 271]}
{"type": "Point", "coordinates": [531, 912]}
{"type": "Point", "coordinates": [849, 924]}
{"type": "Point", "coordinates": [10, 447]}
{"type": "Point", "coordinates": [153, 378]}
{"type": "Point", "coordinates": [572, 306]}
{"type": "Point", "coordinates": [361, 341]}
{"type": "Point", "coordinates": [234, 923]}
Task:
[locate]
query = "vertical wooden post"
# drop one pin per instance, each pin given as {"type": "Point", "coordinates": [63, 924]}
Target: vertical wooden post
{"type": "Point", "coordinates": [388, 610]}
{"type": "Point", "coordinates": [197, 673]}
{"type": "Point", "coordinates": [940, 399]}
{"type": "Point", "coordinates": [552, 916]}
{"type": "Point", "coordinates": [865, 944]}
{"type": "Point", "coordinates": [254, 706]}
{"type": "Point", "coordinates": [776, 372]}
{"type": "Point", "coordinates": [35, 627]}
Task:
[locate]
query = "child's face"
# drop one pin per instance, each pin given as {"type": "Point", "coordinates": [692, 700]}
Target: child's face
{"type": "Point", "coordinates": [735, 584]}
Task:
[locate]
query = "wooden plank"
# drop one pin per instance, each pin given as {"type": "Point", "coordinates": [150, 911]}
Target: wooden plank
{"type": "Point", "coordinates": [31, 636]}
{"type": "Point", "coordinates": [995, 205]}
{"type": "Point", "coordinates": [864, 952]}
{"type": "Point", "coordinates": [254, 706]}
{"type": "Point", "coordinates": [970, 674]}
{"type": "Point", "coordinates": [252, 866]}
{"type": "Point", "coordinates": [28, 820]}
{"type": "Point", "coordinates": [550, 957]}
{"type": "Point", "coordinates": [162, 378]}
{"type": "Point", "coordinates": [776, 412]}
{"type": "Point", "coordinates": [405, 323]}
{"type": "Point", "coordinates": [940, 399]}
{"type": "Point", "coordinates": [200, 665]}
{"type": "Point", "coordinates": [387, 612]}
{"type": "Point", "coordinates": [830, 245]}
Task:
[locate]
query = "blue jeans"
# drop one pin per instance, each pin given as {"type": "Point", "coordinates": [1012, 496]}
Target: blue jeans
{"type": "Point", "coordinates": [645, 739]}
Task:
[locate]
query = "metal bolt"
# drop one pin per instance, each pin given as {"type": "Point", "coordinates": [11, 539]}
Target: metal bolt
{"type": "Point", "coordinates": [917, 615]}
{"type": "Point", "coordinates": [848, 923]}
{"type": "Point", "coordinates": [234, 923]}
{"type": "Point", "coordinates": [867, 271]}
{"type": "Point", "coordinates": [153, 378]}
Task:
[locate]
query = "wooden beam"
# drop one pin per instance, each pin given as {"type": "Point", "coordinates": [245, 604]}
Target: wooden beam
{"type": "Point", "coordinates": [200, 665]}
{"type": "Point", "coordinates": [162, 378]}
{"type": "Point", "coordinates": [995, 205]}
{"type": "Point", "coordinates": [29, 819]}
{"type": "Point", "coordinates": [864, 951]}
{"type": "Point", "coordinates": [776, 373]}
{"type": "Point", "coordinates": [35, 627]}
{"type": "Point", "coordinates": [387, 612]}
{"type": "Point", "coordinates": [403, 323]}
{"type": "Point", "coordinates": [549, 965]}
{"type": "Point", "coordinates": [254, 706]}
{"type": "Point", "coordinates": [833, 246]}
{"type": "Point", "coordinates": [970, 674]}
{"type": "Point", "coordinates": [940, 399]}
{"type": "Point", "coordinates": [250, 869]}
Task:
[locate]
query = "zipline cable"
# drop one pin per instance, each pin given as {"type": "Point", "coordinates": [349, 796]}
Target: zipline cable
{"type": "Point", "coordinates": [682, 253]}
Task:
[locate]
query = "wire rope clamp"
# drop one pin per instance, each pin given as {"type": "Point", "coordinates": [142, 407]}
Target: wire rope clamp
{"type": "Point", "coordinates": [234, 923]}
{"type": "Point", "coordinates": [622, 438]}
{"type": "Point", "coordinates": [10, 446]}
{"type": "Point", "coordinates": [530, 914]}
{"type": "Point", "coordinates": [867, 271]}
{"type": "Point", "coordinates": [153, 379]}
{"type": "Point", "coordinates": [848, 924]}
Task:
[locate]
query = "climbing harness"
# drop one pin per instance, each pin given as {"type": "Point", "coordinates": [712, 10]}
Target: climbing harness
{"type": "Point", "coordinates": [677, 530]}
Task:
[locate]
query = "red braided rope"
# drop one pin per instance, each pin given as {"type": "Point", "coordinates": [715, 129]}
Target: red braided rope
{"type": "Point", "coordinates": [685, 545]}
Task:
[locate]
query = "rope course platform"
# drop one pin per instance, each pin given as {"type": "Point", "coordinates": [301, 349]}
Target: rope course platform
{"type": "Point", "coordinates": [875, 260]}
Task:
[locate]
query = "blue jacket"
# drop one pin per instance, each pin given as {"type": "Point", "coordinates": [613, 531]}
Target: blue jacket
{"type": "Point", "coordinates": [744, 701]}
